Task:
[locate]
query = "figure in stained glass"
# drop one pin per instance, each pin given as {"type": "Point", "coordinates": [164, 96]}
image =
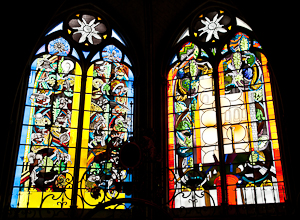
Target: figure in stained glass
{"type": "Point", "coordinates": [44, 175]}
{"type": "Point", "coordinates": [249, 139]}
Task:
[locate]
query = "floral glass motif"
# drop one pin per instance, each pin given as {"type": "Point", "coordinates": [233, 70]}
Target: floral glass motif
{"type": "Point", "coordinates": [211, 26]}
{"type": "Point", "coordinates": [251, 152]}
{"type": "Point", "coordinates": [59, 47]}
{"type": "Point", "coordinates": [44, 176]}
{"type": "Point", "coordinates": [88, 29]}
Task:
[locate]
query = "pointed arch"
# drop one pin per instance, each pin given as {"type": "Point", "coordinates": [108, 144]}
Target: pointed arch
{"type": "Point", "coordinates": [78, 113]}
{"type": "Point", "coordinates": [223, 144]}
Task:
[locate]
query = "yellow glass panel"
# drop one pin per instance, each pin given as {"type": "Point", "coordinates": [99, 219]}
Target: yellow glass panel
{"type": "Point", "coordinates": [89, 82]}
{"type": "Point", "coordinates": [171, 122]}
{"type": "Point", "coordinates": [103, 197]}
{"type": "Point", "coordinates": [84, 147]}
{"type": "Point", "coordinates": [197, 128]}
{"type": "Point", "coordinates": [76, 100]}
{"type": "Point", "coordinates": [275, 145]}
{"type": "Point", "coordinates": [78, 70]}
{"type": "Point", "coordinates": [86, 120]}
{"type": "Point", "coordinates": [73, 137]}
{"type": "Point", "coordinates": [221, 79]}
{"type": "Point", "coordinates": [85, 141]}
{"type": "Point", "coordinates": [87, 103]}
{"type": "Point", "coordinates": [23, 199]}
{"type": "Point", "coordinates": [33, 199]}
{"type": "Point", "coordinates": [171, 137]}
{"type": "Point", "coordinates": [77, 85]}
{"type": "Point", "coordinates": [74, 119]}
{"type": "Point", "coordinates": [90, 71]}
{"type": "Point", "coordinates": [268, 92]}
{"type": "Point", "coordinates": [170, 105]}
{"type": "Point", "coordinates": [273, 129]}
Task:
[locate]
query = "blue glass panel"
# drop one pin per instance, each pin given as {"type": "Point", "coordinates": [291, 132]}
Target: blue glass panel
{"type": "Point", "coordinates": [85, 53]}
{"type": "Point", "coordinates": [31, 79]}
{"type": "Point", "coordinates": [41, 50]}
{"type": "Point", "coordinates": [14, 198]}
{"type": "Point", "coordinates": [24, 133]}
{"type": "Point", "coordinates": [203, 54]}
{"type": "Point", "coordinates": [130, 90]}
{"type": "Point", "coordinates": [26, 115]}
{"type": "Point", "coordinates": [34, 64]}
{"type": "Point", "coordinates": [111, 53]}
{"type": "Point", "coordinates": [174, 59]}
{"type": "Point", "coordinates": [130, 100]}
{"type": "Point", "coordinates": [59, 47]}
{"type": "Point", "coordinates": [29, 92]}
{"type": "Point", "coordinates": [56, 28]}
{"type": "Point", "coordinates": [116, 36]}
{"type": "Point", "coordinates": [18, 175]}
{"type": "Point", "coordinates": [130, 75]}
{"type": "Point", "coordinates": [126, 60]}
{"type": "Point", "coordinates": [75, 54]}
{"type": "Point", "coordinates": [96, 57]}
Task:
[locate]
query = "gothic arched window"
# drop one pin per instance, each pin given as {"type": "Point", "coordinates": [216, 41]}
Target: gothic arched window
{"type": "Point", "coordinates": [78, 113]}
{"type": "Point", "coordinates": [223, 143]}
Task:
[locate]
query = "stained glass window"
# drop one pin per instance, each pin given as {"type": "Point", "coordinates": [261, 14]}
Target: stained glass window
{"type": "Point", "coordinates": [78, 114]}
{"type": "Point", "coordinates": [223, 143]}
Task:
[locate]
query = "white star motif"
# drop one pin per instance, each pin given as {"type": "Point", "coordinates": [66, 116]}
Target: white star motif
{"type": "Point", "coordinates": [212, 27]}
{"type": "Point", "coordinates": [87, 30]}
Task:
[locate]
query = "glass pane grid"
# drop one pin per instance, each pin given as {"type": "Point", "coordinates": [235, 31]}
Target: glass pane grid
{"type": "Point", "coordinates": [107, 125]}
{"type": "Point", "coordinates": [45, 163]}
{"type": "Point", "coordinates": [250, 140]}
